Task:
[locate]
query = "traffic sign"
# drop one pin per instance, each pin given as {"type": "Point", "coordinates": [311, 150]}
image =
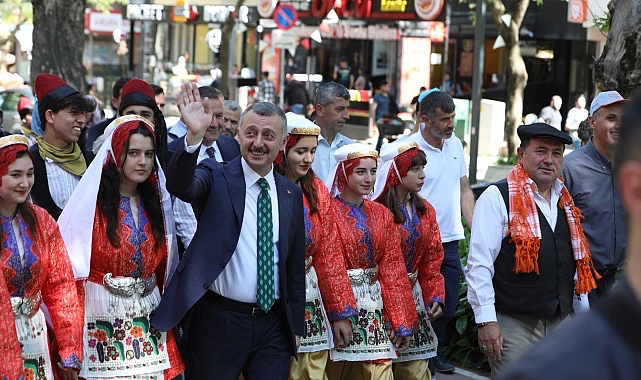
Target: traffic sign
{"type": "Point", "coordinates": [285, 16]}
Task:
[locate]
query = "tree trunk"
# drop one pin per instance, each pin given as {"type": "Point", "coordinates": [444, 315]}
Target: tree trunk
{"type": "Point", "coordinates": [516, 70]}
{"type": "Point", "coordinates": [516, 83]}
{"type": "Point", "coordinates": [228, 29]}
{"type": "Point", "coordinates": [619, 67]}
{"type": "Point", "coordinates": [58, 40]}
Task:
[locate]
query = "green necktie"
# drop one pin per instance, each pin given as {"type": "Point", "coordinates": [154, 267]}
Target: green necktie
{"type": "Point", "coordinates": [265, 293]}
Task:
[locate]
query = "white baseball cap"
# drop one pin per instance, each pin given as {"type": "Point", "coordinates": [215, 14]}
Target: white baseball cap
{"type": "Point", "coordinates": [605, 98]}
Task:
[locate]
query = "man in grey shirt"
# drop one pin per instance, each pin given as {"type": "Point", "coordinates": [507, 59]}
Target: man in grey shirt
{"type": "Point", "coordinates": [589, 178]}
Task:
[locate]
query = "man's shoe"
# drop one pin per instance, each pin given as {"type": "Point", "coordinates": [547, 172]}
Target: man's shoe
{"type": "Point", "coordinates": [442, 365]}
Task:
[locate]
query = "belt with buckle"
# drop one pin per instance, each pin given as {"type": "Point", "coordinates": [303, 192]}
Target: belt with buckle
{"type": "Point", "coordinates": [251, 309]}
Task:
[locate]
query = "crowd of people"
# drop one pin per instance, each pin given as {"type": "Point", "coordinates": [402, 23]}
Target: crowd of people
{"type": "Point", "coordinates": [260, 244]}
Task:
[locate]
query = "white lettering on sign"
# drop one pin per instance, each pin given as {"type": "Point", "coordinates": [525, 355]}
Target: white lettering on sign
{"type": "Point", "coordinates": [145, 12]}
{"type": "Point", "coordinates": [216, 13]}
{"type": "Point", "coordinates": [341, 31]}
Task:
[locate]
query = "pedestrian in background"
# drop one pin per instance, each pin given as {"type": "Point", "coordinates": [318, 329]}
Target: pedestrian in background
{"type": "Point", "coordinates": [266, 89]}
{"type": "Point", "coordinates": [231, 117]}
{"type": "Point", "coordinates": [576, 115]}
{"type": "Point", "coordinates": [551, 114]}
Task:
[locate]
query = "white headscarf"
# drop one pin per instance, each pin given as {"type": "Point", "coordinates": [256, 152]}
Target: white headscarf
{"type": "Point", "coordinates": [388, 153]}
{"type": "Point", "coordinates": [77, 219]}
{"type": "Point", "coordinates": [342, 154]}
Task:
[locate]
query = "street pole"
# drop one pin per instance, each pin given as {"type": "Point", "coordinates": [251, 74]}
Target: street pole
{"type": "Point", "coordinates": [477, 81]}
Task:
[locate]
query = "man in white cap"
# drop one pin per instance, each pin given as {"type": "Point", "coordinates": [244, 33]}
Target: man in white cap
{"type": "Point", "coordinates": [589, 177]}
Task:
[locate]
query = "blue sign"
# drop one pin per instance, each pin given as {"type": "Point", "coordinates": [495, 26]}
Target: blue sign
{"type": "Point", "coordinates": [285, 16]}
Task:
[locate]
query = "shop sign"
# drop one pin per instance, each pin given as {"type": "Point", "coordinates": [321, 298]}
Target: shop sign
{"type": "Point", "coordinates": [341, 31]}
{"type": "Point", "coordinates": [428, 9]}
{"type": "Point", "coordinates": [355, 9]}
{"type": "Point", "coordinates": [216, 13]}
{"type": "Point", "coordinates": [393, 5]}
{"type": "Point", "coordinates": [103, 23]}
{"type": "Point", "coordinates": [146, 12]}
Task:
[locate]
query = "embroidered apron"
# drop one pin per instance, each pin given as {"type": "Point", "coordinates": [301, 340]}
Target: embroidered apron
{"type": "Point", "coordinates": [369, 335]}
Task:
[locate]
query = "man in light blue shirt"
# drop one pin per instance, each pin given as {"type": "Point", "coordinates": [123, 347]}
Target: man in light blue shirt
{"type": "Point", "coordinates": [331, 103]}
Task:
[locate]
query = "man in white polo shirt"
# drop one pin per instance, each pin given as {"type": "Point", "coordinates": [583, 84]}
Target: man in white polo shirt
{"type": "Point", "coordinates": [447, 188]}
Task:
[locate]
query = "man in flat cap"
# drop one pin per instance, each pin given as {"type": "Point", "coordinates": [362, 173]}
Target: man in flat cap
{"type": "Point", "coordinates": [525, 248]}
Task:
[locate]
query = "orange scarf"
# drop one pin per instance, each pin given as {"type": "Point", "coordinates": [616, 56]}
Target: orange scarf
{"type": "Point", "coordinates": [525, 230]}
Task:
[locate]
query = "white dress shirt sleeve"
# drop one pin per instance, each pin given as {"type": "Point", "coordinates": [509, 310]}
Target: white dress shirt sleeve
{"type": "Point", "coordinates": [185, 221]}
{"type": "Point", "coordinates": [488, 231]}
{"type": "Point", "coordinates": [192, 148]}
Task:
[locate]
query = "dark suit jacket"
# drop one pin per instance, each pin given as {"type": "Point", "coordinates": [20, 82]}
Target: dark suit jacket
{"type": "Point", "coordinates": [219, 190]}
{"type": "Point", "coordinates": [228, 146]}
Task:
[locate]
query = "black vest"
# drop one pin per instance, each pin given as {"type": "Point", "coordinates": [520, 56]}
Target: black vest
{"type": "Point", "coordinates": [548, 294]}
{"type": "Point", "coordinates": [40, 193]}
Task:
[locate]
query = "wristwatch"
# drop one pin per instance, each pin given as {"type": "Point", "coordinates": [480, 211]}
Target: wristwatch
{"type": "Point", "coordinates": [484, 323]}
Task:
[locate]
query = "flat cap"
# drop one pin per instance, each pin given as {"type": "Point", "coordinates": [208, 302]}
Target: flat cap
{"type": "Point", "coordinates": [542, 130]}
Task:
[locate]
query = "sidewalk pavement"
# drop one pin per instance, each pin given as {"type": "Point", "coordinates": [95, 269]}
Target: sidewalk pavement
{"type": "Point", "coordinates": [459, 374]}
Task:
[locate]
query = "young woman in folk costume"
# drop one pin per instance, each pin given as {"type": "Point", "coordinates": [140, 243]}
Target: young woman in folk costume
{"type": "Point", "coordinates": [35, 270]}
{"type": "Point", "coordinates": [122, 262]}
{"type": "Point", "coordinates": [328, 290]}
{"type": "Point", "coordinates": [398, 181]}
{"type": "Point", "coordinates": [371, 249]}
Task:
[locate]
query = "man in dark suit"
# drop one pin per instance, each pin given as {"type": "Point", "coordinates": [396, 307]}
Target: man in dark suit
{"type": "Point", "coordinates": [240, 287]}
{"type": "Point", "coordinates": [224, 148]}
{"type": "Point", "coordinates": [215, 146]}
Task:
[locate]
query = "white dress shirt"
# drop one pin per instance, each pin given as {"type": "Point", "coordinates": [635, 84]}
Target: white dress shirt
{"type": "Point", "coordinates": [488, 232]}
{"type": "Point", "coordinates": [184, 216]}
{"type": "Point", "coordinates": [238, 281]}
{"type": "Point", "coordinates": [324, 159]}
{"type": "Point", "coordinates": [61, 182]}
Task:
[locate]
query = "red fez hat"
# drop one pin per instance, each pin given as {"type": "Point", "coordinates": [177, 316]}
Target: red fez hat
{"type": "Point", "coordinates": [137, 92]}
{"type": "Point", "coordinates": [24, 103]}
{"type": "Point", "coordinates": [49, 85]}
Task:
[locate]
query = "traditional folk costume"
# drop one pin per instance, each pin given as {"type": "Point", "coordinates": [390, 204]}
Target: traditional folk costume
{"type": "Point", "coordinates": [56, 171]}
{"type": "Point", "coordinates": [423, 252]}
{"type": "Point", "coordinates": [372, 253]}
{"type": "Point", "coordinates": [121, 286]}
{"type": "Point", "coordinates": [327, 287]}
{"type": "Point", "coordinates": [36, 270]}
